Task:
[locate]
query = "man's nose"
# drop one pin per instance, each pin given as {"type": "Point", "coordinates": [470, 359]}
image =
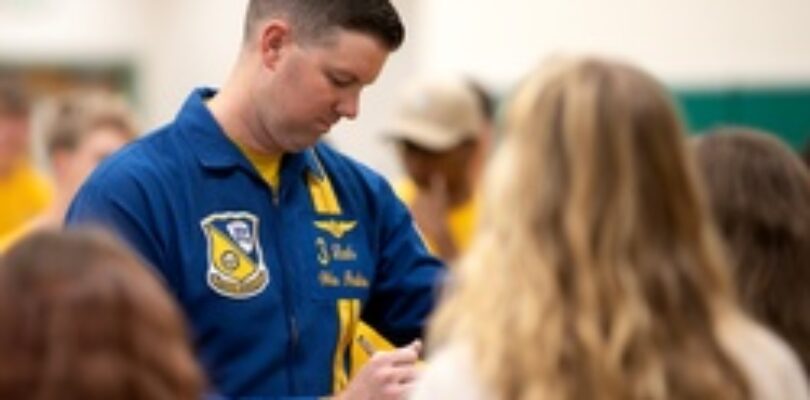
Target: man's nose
{"type": "Point", "coordinates": [348, 106]}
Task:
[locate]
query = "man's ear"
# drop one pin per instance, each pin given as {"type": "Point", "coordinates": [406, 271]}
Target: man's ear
{"type": "Point", "coordinates": [275, 36]}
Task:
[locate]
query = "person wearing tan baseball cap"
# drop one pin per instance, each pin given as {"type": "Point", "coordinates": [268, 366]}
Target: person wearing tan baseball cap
{"type": "Point", "coordinates": [437, 128]}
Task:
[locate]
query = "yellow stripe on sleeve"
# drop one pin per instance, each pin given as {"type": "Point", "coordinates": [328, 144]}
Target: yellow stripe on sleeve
{"type": "Point", "coordinates": [349, 314]}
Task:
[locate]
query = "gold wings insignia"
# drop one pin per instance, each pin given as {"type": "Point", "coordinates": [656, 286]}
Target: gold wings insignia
{"type": "Point", "coordinates": [336, 228]}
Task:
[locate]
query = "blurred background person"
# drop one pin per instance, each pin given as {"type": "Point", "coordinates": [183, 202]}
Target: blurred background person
{"type": "Point", "coordinates": [760, 194]}
{"type": "Point", "coordinates": [488, 139]}
{"type": "Point", "coordinates": [24, 191]}
{"type": "Point", "coordinates": [486, 102]}
{"type": "Point", "coordinates": [82, 318]}
{"type": "Point", "coordinates": [597, 273]}
{"type": "Point", "coordinates": [87, 126]}
{"type": "Point", "coordinates": [438, 128]}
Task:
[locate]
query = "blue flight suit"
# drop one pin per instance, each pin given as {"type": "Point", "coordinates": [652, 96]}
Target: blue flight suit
{"type": "Point", "coordinates": [271, 281]}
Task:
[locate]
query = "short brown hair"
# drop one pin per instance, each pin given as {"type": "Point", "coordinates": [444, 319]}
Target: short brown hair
{"type": "Point", "coordinates": [313, 18]}
{"type": "Point", "coordinates": [82, 318]}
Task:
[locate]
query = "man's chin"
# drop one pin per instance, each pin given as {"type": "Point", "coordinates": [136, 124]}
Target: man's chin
{"type": "Point", "coordinates": [298, 146]}
{"type": "Point", "coordinates": [322, 128]}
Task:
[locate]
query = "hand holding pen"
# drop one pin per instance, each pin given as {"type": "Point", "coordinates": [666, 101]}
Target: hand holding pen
{"type": "Point", "coordinates": [387, 376]}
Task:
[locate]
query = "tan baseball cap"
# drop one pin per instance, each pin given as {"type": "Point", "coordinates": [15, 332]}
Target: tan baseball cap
{"type": "Point", "coordinates": [437, 114]}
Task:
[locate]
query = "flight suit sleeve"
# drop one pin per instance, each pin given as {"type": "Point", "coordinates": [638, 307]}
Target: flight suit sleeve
{"type": "Point", "coordinates": [407, 276]}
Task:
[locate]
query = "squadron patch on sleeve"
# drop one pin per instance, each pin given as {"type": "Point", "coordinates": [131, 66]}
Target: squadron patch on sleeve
{"type": "Point", "coordinates": [236, 266]}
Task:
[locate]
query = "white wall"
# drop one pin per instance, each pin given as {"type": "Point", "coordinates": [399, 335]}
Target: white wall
{"type": "Point", "coordinates": [74, 30]}
{"type": "Point", "coordinates": [188, 43]}
{"type": "Point", "coordinates": [684, 41]}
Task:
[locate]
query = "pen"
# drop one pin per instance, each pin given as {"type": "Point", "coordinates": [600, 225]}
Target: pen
{"type": "Point", "coordinates": [366, 345]}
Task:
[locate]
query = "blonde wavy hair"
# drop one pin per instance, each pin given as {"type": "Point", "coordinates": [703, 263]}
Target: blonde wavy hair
{"type": "Point", "coordinates": [595, 273]}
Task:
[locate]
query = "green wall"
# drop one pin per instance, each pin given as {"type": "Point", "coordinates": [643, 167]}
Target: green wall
{"type": "Point", "coordinates": [783, 110]}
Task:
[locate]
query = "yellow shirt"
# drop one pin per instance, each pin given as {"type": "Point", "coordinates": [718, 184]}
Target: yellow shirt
{"type": "Point", "coordinates": [268, 166]}
{"type": "Point", "coordinates": [24, 194]}
{"type": "Point", "coordinates": [461, 219]}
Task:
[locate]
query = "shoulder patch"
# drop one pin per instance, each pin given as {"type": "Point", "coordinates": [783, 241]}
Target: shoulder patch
{"type": "Point", "coordinates": [235, 261]}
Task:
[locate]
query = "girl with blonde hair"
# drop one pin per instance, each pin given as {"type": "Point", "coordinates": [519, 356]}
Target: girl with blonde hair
{"type": "Point", "coordinates": [596, 273]}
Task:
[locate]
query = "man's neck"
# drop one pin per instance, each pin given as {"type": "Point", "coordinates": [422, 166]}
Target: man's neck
{"type": "Point", "coordinates": [238, 116]}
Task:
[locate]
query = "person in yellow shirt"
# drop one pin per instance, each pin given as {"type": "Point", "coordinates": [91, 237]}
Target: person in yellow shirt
{"type": "Point", "coordinates": [86, 127]}
{"type": "Point", "coordinates": [24, 191]}
{"type": "Point", "coordinates": [438, 128]}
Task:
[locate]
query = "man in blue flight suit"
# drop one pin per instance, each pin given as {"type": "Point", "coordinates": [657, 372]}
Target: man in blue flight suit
{"type": "Point", "coordinates": [275, 246]}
